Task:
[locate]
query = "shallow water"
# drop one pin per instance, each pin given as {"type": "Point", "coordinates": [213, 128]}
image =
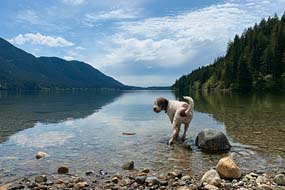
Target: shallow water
{"type": "Point", "coordinates": [84, 130]}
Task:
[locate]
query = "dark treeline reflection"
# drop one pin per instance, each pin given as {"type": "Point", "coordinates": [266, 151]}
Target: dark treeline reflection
{"type": "Point", "coordinates": [19, 111]}
{"type": "Point", "coordinates": [252, 119]}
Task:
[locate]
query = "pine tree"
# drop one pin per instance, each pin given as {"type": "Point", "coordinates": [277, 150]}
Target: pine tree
{"type": "Point", "coordinates": [244, 76]}
{"type": "Point", "coordinates": [254, 60]}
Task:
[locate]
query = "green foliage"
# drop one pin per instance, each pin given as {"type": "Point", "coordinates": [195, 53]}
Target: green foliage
{"type": "Point", "coordinates": [253, 61]}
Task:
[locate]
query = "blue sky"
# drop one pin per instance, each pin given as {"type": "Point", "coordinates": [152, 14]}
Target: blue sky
{"type": "Point", "coordinates": [138, 42]}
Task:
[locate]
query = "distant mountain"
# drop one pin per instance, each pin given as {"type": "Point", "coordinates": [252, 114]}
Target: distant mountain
{"type": "Point", "coordinates": [21, 70]}
{"type": "Point", "coordinates": [254, 61]}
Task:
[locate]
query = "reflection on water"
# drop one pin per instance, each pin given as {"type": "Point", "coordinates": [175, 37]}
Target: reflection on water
{"type": "Point", "coordinates": [257, 120]}
{"type": "Point", "coordinates": [20, 111]}
{"type": "Point", "coordinates": [84, 131]}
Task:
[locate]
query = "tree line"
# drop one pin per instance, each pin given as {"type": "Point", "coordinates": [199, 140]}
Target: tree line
{"type": "Point", "coordinates": [254, 61]}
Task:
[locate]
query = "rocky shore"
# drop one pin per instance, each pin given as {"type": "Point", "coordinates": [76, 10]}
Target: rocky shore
{"type": "Point", "coordinates": [225, 175]}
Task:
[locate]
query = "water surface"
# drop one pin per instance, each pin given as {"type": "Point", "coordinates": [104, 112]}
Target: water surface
{"type": "Point", "coordinates": [84, 130]}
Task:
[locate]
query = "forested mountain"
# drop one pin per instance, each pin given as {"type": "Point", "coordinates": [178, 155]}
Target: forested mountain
{"type": "Point", "coordinates": [253, 61]}
{"type": "Point", "coordinates": [21, 70]}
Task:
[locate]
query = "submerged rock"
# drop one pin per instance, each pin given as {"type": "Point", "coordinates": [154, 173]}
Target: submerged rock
{"type": "Point", "coordinates": [62, 170]}
{"type": "Point", "coordinates": [41, 154]}
{"type": "Point", "coordinates": [129, 165]}
{"type": "Point", "coordinates": [228, 169]}
{"type": "Point", "coordinates": [212, 140]}
{"type": "Point", "coordinates": [128, 133]}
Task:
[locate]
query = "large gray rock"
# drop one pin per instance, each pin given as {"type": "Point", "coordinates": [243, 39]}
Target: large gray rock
{"type": "Point", "coordinates": [212, 140]}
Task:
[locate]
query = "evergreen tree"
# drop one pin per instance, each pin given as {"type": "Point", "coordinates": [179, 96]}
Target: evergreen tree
{"type": "Point", "coordinates": [255, 60]}
{"type": "Point", "coordinates": [244, 76]}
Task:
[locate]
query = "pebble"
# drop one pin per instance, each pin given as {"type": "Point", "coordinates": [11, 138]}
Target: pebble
{"type": "Point", "coordinates": [41, 179]}
{"type": "Point", "coordinates": [211, 187]}
{"type": "Point", "coordinates": [261, 180]}
{"type": "Point", "coordinates": [264, 187]}
{"type": "Point", "coordinates": [163, 183]}
{"type": "Point", "coordinates": [140, 179]}
{"type": "Point", "coordinates": [186, 178]}
{"type": "Point", "coordinates": [89, 172]}
{"type": "Point", "coordinates": [115, 180]}
{"type": "Point", "coordinates": [280, 179]}
{"type": "Point", "coordinates": [151, 180]}
{"type": "Point", "coordinates": [211, 177]}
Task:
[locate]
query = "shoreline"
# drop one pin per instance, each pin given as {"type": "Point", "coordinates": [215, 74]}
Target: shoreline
{"type": "Point", "coordinates": [133, 178]}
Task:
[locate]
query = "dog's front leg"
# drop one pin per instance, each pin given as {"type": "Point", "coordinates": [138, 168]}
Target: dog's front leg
{"type": "Point", "coordinates": [175, 133]}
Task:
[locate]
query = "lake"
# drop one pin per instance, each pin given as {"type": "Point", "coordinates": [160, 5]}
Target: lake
{"type": "Point", "coordinates": [84, 130]}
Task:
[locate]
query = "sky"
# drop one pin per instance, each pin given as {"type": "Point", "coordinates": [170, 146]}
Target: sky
{"type": "Point", "coordinates": [138, 42]}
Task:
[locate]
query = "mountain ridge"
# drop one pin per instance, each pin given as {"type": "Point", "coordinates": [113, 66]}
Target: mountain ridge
{"type": "Point", "coordinates": [22, 70]}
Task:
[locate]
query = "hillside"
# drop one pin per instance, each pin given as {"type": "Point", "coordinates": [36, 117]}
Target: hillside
{"type": "Point", "coordinates": [253, 61]}
{"type": "Point", "coordinates": [21, 70]}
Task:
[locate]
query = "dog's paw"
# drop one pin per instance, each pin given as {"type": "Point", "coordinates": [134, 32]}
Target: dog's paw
{"type": "Point", "coordinates": [170, 142]}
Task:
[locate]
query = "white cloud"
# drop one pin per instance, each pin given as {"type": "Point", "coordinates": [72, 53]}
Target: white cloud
{"type": "Point", "coordinates": [39, 39]}
{"type": "Point", "coordinates": [48, 139]}
{"type": "Point", "coordinates": [116, 14]}
{"type": "Point", "coordinates": [172, 41]}
{"type": "Point", "coordinates": [175, 40]}
{"type": "Point", "coordinates": [74, 2]}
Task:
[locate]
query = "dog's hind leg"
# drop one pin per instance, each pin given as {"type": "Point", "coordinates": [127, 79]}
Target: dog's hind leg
{"type": "Point", "coordinates": [175, 133]}
{"type": "Point", "coordinates": [186, 126]}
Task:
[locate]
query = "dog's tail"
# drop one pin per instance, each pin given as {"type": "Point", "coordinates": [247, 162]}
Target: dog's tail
{"type": "Point", "coordinates": [191, 104]}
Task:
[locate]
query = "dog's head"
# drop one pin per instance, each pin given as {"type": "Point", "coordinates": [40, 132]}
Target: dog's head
{"type": "Point", "coordinates": [160, 104]}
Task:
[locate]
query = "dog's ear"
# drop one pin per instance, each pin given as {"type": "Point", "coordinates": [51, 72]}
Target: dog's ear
{"type": "Point", "coordinates": [163, 103]}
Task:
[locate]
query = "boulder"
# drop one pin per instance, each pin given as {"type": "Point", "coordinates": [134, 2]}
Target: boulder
{"type": "Point", "coordinates": [211, 177]}
{"type": "Point", "coordinates": [41, 154]}
{"type": "Point", "coordinates": [212, 140]}
{"type": "Point", "coordinates": [129, 165]}
{"type": "Point", "coordinates": [280, 179]}
{"type": "Point", "coordinates": [228, 169]}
